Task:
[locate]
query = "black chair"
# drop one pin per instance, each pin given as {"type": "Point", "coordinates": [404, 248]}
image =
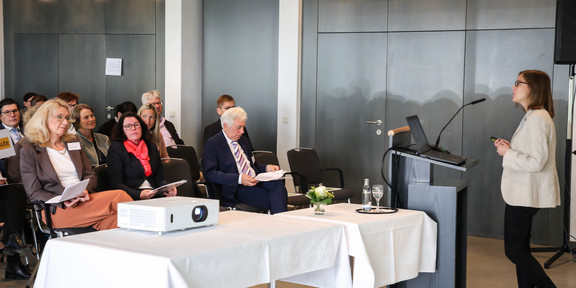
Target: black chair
{"type": "Point", "coordinates": [296, 200]}
{"type": "Point", "coordinates": [305, 161]}
{"type": "Point", "coordinates": [103, 183]}
{"type": "Point", "coordinates": [188, 153]}
{"type": "Point", "coordinates": [176, 169]}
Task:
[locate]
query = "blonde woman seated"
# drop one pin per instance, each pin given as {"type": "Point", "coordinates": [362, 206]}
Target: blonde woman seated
{"type": "Point", "coordinates": [95, 145]}
{"type": "Point", "coordinates": [52, 160]}
{"type": "Point", "coordinates": [148, 113]}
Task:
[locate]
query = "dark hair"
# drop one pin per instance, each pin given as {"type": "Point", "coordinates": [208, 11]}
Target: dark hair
{"type": "Point", "coordinates": [119, 135]}
{"type": "Point", "coordinates": [8, 101]}
{"type": "Point", "coordinates": [540, 91]}
{"type": "Point", "coordinates": [28, 96]}
{"type": "Point", "coordinates": [38, 98]}
{"type": "Point", "coordinates": [223, 99]}
{"type": "Point", "coordinates": [75, 115]}
{"type": "Point", "coordinates": [68, 96]}
{"type": "Point", "coordinates": [126, 107]}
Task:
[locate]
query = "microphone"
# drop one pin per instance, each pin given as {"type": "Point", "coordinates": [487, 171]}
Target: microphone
{"type": "Point", "coordinates": [440, 134]}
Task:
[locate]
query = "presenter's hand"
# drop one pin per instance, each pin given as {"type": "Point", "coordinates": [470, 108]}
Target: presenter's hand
{"type": "Point", "coordinates": [272, 168]}
{"type": "Point", "coordinates": [248, 181]}
{"type": "Point", "coordinates": [147, 194]}
{"type": "Point", "coordinates": [502, 146]}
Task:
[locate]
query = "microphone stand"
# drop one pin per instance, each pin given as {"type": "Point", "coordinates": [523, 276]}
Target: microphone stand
{"type": "Point", "coordinates": [440, 134]}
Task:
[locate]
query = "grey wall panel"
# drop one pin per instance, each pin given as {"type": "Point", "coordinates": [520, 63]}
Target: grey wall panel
{"type": "Point", "coordinates": [81, 16]}
{"type": "Point", "coordinates": [425, 78]}
{"type": "Point", "coordinates": [36, 64]}
{"type": "Point", "coordinates": [352, 16]}
{"type": "Point", "coordinates": [240, 59]}
{"type": "Point", "coordinates": [160, 45]}
{"type": "Point", "coordinates": [418, 15]}
{"type": "Point", "coordinates": [308, 76]}
{"type": "Point", "coordinates": [81, 70]}
{"type": "Point", "coordinates": [351, 90]}
{"type": "Point", "coordinates": [131, 17]}
{"type": "Point", "coordinates": [138, 67]}
{"type": "Point", "coordinates": [502, 14]}
{"type": "Point", "coordinates": [493, 63]}
{"type": "Point", "coordinates": [33, 16]}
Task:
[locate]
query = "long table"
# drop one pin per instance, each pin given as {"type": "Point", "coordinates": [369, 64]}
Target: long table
{"type": "Point", "coordinates": [387, 248]}
{"type": "Point", "coordinates": [244, 249]}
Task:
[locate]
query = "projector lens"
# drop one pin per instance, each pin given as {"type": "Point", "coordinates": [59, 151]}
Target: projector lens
{"type": "Point", "coordinates": [199, 213]}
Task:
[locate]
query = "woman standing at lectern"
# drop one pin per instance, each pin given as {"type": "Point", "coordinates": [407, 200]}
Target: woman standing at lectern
{"type": "Point", "coordinates": [529, 177]}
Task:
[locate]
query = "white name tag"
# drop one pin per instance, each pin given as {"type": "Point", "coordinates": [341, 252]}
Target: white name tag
{"type": "Point", "coordinates": [74, 146]}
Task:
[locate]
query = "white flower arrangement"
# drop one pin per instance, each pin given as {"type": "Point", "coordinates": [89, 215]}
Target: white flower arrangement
{"type": "Point", "coordinates": [320, 195]}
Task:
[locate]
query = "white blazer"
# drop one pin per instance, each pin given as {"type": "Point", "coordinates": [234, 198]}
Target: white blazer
{"type": "Point", "coordinates": [530, 178]}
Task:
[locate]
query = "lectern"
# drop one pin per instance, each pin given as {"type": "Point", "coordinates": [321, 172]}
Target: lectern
{"type": "Point", "coordinates": [443, 200]}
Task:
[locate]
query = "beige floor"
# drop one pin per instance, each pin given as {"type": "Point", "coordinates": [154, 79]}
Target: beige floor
{"type": "Point", "coordinates": [487, 267]}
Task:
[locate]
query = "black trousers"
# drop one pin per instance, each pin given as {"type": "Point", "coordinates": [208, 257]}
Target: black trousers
{"type": "Point", "coordinates": [13, 201]}
{"type": "Point", "coordinates": [517, 228]}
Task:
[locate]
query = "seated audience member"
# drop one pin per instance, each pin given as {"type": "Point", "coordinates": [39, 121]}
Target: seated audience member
{"type": "Point", "coordinates": [134, 163]}
{"type": "Point", "coordinates": [94, 144]}
{"type": "Point", "coordinates": [27, 101]}
{"type": "Point", "coordinates": [227, 162]}
{"type": "Point", "coordinates": [223, 103]}
{"type": "Point", "coordinates": [13, 199]}
{"type": "Point", "coordinates": [38, 100]}
{"type": "Point", "coordinates": [107, 127]}
{"type": "Point", "coordinates": [150, 117]}
{"type": "Point", "coordinates": [52, 160]}
{"type": "Point", "coordinates": [167, 129]}
{"type": "Point", "coordinates": [72, 100]}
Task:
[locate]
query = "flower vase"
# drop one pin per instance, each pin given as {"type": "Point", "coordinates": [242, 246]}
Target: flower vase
{"type": "Point", "coordinates": [319, 208]}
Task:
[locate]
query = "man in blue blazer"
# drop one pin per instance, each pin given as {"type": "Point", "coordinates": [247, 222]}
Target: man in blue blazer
{"type": "Point", "coordinates": [227, 162]}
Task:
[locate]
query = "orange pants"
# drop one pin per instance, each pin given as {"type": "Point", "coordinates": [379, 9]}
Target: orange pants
{"type": "Point", "coordinates": [100, 212]}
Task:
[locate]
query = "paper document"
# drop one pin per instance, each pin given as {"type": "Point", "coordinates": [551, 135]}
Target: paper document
{"type": "Point", "coordinates": [163, 189]}
{"type": "Point", "coordinates": [70, 192]}
{"type": "Point", "coordinates": [6, 147]}
{"type": "Point", "coordinates": [270, 176]}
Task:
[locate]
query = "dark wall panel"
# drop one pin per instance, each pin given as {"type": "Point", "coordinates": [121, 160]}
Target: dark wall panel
{"type": "Point", "coordinates": [81, 16]}
{"type": "Point", "coordinates": [138, 54]}
{"type": "Point", "coordinates": [37, 64]}
{"type": "Point", "coordinates": [240, 59]}
{"type": "Point", "coordinates": [82, 65]}
{"type": "Point", "coordinates": [32, 16]}
{"type": "Point", "coordinates": [131, 17]}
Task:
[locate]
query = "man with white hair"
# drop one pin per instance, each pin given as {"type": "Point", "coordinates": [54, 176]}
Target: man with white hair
{"type": "Point", "coordinates": [167, 129]}
{"type": "Point", "coordinates": [227, 162]}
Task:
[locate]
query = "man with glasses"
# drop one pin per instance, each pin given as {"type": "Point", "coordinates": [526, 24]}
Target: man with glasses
{"type": "Point", "coordinates": [13, 198]}
{"type": "Point", "coordinates": [72, 100]}
{"type": "Point", "coordinates": [223, 103]}
{"type": "Point", "coordinates": [167, 129]}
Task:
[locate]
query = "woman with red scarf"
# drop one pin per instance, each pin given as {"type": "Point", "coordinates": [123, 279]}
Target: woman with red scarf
{"type": "Point", "coordinates": [134, 163]}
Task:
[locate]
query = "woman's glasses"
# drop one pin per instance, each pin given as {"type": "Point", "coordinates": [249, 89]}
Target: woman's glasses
{"type": "Point", "coordinates": [130, 126]}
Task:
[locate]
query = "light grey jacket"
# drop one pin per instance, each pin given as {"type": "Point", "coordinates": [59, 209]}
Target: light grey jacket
{"type": "Point", "coordinates": [529, 178]}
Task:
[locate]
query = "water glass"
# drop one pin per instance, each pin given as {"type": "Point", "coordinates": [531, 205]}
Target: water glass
{"type": "Point", "coordinates": [377, 193]}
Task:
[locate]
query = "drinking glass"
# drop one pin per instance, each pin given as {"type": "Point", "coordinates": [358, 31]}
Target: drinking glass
{"type": "Point", "coordinates": [377, 192]}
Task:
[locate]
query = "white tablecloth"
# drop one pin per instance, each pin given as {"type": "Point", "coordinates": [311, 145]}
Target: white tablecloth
{"type": "Point", "coordinates": [387, 248]}
{"type": "Point", "coordinates": [244, 249]}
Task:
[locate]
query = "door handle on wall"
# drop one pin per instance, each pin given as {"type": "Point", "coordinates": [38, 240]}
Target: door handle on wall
{"type": "Point", "coordinates": [377, 122]}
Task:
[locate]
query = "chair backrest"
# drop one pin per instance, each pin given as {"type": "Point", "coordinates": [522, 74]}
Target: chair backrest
{"type": "Point", "coordinates": [176, 169]}
{"type": "Point", "coordinates": [103, 183]}
{"type": "Point", "coordinates": [305, 161]}
{"type": "Point", "coordinates": [265, 157]}
{"type": "Point", "coordinates": [187, 153]}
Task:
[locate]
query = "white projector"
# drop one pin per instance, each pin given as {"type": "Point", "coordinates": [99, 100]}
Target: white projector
{"type": "Point", "coordinates": [168, 213]}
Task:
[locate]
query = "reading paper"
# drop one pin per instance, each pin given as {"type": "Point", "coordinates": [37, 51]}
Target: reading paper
{"type": "Point", "coordinates": [270, 176]}
{"type": "Point", "coordinates": [70, 192]}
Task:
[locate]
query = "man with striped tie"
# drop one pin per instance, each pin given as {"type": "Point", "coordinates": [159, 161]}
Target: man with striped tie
{"type": "Point", "coordinates": [227, 162]}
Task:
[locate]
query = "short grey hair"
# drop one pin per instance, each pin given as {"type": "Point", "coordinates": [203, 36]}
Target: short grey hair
{"type": "Point", "coordinates": [232, 114]}
{"type": "Point", "coordinates": [150, 95]}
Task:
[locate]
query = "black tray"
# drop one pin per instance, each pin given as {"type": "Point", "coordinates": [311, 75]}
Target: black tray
{"type": "Point", "coordinates": [383, 210]}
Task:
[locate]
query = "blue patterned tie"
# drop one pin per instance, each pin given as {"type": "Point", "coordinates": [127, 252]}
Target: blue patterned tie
{"type": "Point", "coordinates": [242, 161]}
{"type": "Point", "coordinates": [15, 134]}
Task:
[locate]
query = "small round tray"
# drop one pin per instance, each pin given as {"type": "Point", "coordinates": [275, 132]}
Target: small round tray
{"type": "Point", "coordinates": [383, 210]}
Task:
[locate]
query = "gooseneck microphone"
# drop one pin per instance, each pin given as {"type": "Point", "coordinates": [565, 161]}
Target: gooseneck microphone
{"type": "Point", "coordinates": [440, 134]}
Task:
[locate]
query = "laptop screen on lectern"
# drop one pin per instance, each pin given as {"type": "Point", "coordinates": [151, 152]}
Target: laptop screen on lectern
{"type": "Point", "coordinates": [418, 134]}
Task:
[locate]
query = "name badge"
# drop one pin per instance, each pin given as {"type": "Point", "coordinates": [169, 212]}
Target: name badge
{"type": "Point", "coordinates": [74, 146]}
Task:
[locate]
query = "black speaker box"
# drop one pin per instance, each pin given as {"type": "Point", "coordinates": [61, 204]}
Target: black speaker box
{"type": "Point", "coordinates": [565, 46]}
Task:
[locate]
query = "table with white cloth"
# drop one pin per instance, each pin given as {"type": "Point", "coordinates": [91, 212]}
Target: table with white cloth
{"type": "Point", "coordinates": [242, 250]}
{"type": "Point", "coordinates": [387, 248]}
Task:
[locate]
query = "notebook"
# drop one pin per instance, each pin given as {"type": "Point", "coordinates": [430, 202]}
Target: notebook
{"type": "Point", "coordinates": [424, 148]}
